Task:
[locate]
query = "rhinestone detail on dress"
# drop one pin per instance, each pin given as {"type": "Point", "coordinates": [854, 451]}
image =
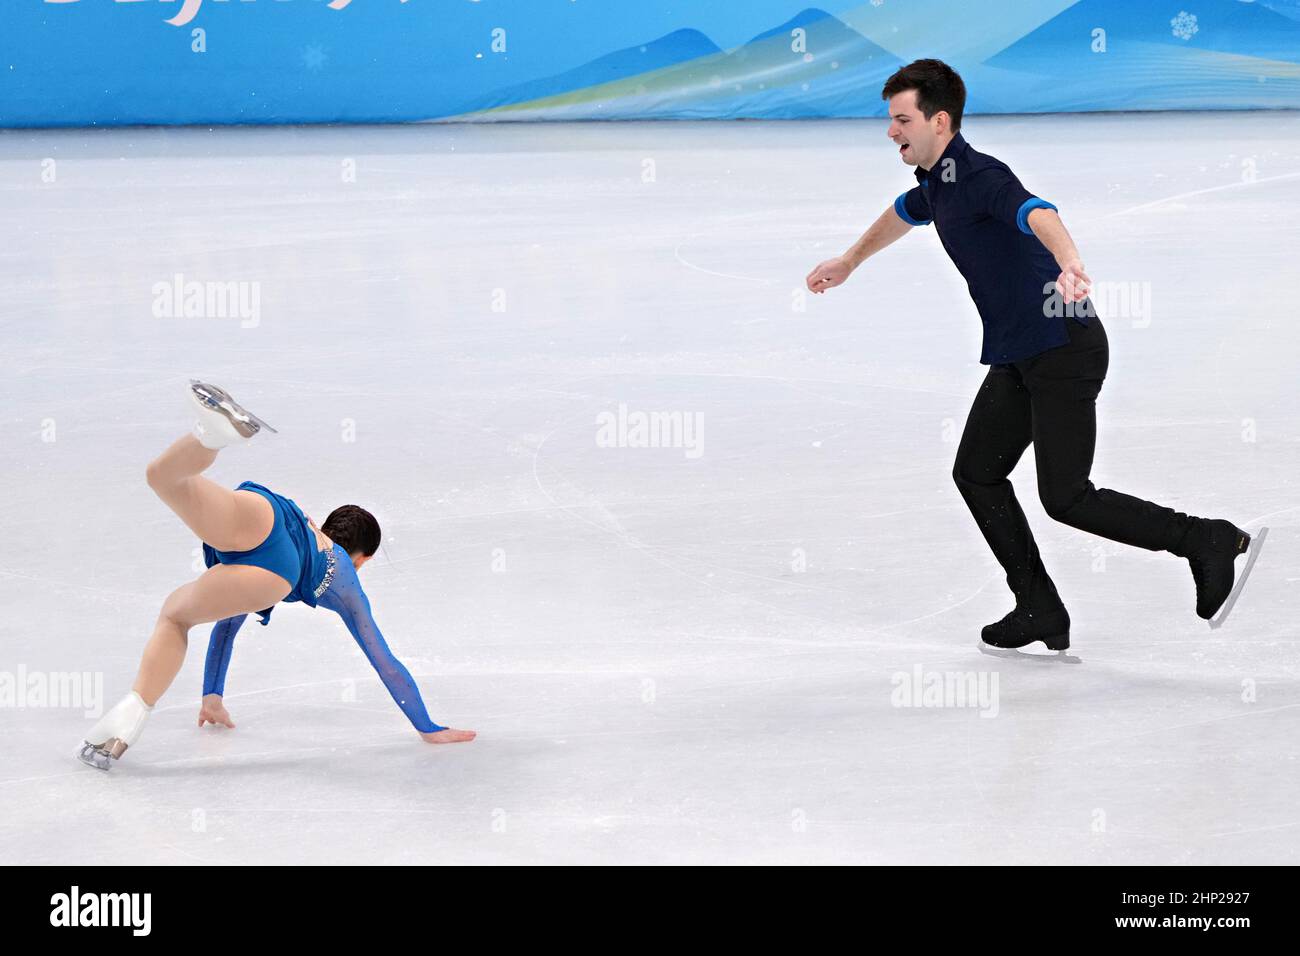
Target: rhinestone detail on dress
{"type": "Point", "coordinates": [330, 566]}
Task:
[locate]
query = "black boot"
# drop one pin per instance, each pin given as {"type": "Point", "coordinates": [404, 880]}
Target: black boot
{"type": "Point", "coordinates": [1211, 547]}
{"type": "Point", "coordinates": [1025, 625]}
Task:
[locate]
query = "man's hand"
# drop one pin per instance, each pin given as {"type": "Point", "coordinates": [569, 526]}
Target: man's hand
{"type": "Point", "coordinates": [829, 274]}
{"type": "Point", "coordinates": [214, 712]}
{"type": "Point", "coordinates": [1073, 283]}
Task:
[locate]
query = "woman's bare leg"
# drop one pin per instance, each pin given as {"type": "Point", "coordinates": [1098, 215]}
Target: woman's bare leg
{"type": "Point", "coordinates": [228, 520]}
{"type": "Point", "coordinates": [222, 591]}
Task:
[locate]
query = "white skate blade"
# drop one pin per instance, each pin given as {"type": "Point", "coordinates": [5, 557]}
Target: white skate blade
{"type": "Point", "coordinates": [1256, 543]}
{"type": "Point", "coordinates": [232, 420]}
{"type": "Point", "coordinates": [1007, 653]}
{"type": "Point", "coordinates": [92, 756]}
{"type": "Point", "coordinates": [259, 422]}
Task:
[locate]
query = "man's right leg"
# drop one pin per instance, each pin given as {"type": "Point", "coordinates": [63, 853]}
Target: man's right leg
{"type": "Point", "coordinates": [997, 432]}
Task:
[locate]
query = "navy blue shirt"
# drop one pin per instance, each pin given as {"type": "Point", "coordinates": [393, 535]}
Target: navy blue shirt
{"type": "Point", "coordinates": [981, 213]}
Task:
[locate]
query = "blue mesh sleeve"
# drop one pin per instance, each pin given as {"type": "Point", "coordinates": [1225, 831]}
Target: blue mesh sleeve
{"type": "Point", "coordinates": [220, 645]}
{"type": "Point", "coordinates": [346, 598]}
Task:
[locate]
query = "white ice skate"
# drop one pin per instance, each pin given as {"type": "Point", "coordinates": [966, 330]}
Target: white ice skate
{"type": "Point", "coordinates": [116, 731]}
{"type": "Point", "coordinates": [222, 421]}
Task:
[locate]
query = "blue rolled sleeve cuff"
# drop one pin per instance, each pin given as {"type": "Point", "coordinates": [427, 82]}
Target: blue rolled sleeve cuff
{"type": "Point", "coordinates": [900, 207]}
{"type": "Point", "coordinates": [1028, 206]}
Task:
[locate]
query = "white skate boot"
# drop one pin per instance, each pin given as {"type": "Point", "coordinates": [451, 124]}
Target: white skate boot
{"type": "Point", "coordinates": [222, 421]}
{"type": "Point", "coordinates": [116, 730]}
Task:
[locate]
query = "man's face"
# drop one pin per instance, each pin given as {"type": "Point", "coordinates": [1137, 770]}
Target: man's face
{"type": "Point", "coordinates": [917, 137]}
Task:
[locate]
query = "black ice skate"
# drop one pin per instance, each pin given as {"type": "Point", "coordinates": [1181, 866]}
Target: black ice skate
{"type": "Point", "coordinates": [1024, 626]}
{"type": "Point", "coordinates": [1212, 552]}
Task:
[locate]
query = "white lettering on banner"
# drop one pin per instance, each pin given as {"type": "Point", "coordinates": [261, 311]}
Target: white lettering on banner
{"type": "Point", "coordinates": [190, 8]}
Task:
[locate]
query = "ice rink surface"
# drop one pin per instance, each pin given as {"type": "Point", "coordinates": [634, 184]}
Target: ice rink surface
{"type": "Point", "coordinates": [671, 654]}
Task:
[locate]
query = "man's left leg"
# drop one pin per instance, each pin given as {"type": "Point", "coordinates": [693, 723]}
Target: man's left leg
{"type": "Point", "coordinates": [997, 432]}
{"type": "Point", "coordinates": [1063, 385]}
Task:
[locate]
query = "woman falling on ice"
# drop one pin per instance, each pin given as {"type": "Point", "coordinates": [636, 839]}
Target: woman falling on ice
{"type": "Point", "coordinates": [260, 549]}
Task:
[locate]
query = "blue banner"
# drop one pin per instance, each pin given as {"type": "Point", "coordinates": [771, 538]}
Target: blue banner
{"type": "Point", "coordinates": [116, 62]}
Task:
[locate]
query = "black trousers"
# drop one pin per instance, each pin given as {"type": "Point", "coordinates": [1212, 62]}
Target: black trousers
{"type": "Point", "coordinates": [1050, 400]}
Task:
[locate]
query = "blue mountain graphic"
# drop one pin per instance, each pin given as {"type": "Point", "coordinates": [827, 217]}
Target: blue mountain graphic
{"type": "Point", "coordinates": [1224, 26]}
{"type": "Point", "coordinates": [836, 72]}
{"type": "Point", "coordinates": [1288, 8]}
{"type": "Point", "coordinates": [679, 46]}
{"type": "Point", "coordinates": [803, 18]}
{"type": "Point", "coordinates": [843, 77]}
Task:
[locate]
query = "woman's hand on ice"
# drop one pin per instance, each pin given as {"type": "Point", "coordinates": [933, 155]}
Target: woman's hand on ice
{"type": "Point", "coordinates": [214, 712]}
{"type": "Point", "coordinates": [449, 736]}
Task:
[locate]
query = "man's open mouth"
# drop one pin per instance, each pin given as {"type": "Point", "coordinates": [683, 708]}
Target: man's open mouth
{"type": "Point", "coordinates": [903, 148]}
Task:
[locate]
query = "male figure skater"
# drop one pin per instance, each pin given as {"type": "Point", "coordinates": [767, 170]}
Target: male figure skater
{"type": "Point", "coordinates": [1047, 356]}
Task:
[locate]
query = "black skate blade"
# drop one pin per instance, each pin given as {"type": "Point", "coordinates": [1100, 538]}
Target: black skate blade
{"type": "Point", "coordinates": [1008, 653]}
{"type": "Point", "coordinates": [1256, 543]}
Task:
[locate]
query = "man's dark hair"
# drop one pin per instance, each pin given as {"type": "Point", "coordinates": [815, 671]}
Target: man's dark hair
{"type": "Point", "coordinates": [354, 528]}
{"type": "Point", "coordinates": [937, 85]}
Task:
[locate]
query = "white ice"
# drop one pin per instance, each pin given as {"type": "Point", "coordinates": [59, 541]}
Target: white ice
{"type": "Point", "coordinates": [651, 675]}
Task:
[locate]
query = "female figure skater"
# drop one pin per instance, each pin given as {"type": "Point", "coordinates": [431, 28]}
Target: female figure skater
{"type": "Point", "coordinates": [260, 549]}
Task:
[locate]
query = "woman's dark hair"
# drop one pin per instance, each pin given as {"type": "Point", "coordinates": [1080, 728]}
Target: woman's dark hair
{"type": "Point", "coordinates": [937, 85]}
{"type": "Point", "coordinates": [354, 528]}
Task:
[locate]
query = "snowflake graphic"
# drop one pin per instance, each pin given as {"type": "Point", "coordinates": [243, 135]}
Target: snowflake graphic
{"type": "Point", "coordinates": [314, 57]}
{"type": "Point", "coordinates": [877, 3]}
{"type": "Point", "coordinates": [1184, 25]}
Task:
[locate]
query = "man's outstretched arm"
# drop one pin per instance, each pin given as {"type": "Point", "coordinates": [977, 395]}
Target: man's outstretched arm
{"type": "Point", "coordinates": [1073, 282]}
{"type": "Point", "coordinates": [888, 228]}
